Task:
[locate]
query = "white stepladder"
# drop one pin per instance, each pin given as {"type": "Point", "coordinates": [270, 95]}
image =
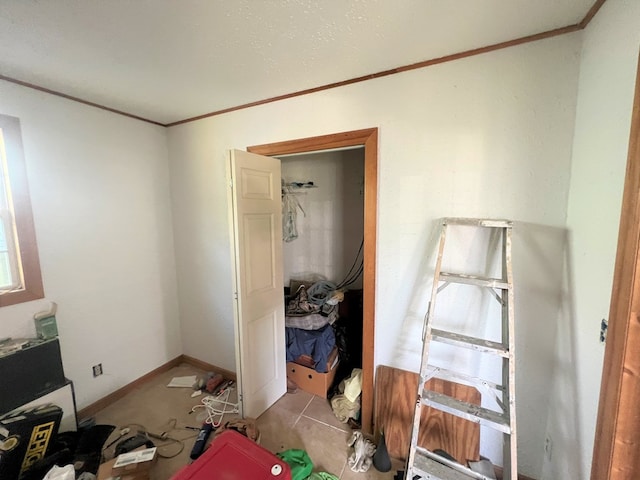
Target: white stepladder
{"type": "Point", "coordinates": [423, 463]}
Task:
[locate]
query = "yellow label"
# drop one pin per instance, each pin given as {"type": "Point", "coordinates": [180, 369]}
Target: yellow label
{"type": "Point", "coordinates": [37, 446]}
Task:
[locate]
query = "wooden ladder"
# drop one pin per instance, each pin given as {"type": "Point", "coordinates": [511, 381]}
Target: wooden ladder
{"type": "Point", "coordinates": [423, 463]}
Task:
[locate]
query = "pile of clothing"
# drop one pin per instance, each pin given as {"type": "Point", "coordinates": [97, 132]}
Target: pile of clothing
{"type": "Point", "coordinates": [309, 316]}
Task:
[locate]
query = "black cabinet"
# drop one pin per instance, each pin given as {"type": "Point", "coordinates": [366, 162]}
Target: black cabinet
{"type": "Point", "coordinates": [30, 373]}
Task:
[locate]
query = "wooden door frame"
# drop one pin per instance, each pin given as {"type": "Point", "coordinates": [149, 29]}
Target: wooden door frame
{"type": "Point", "coordinates": [616, 452]}
{"type": "Point", "coordinates": [368, 138]}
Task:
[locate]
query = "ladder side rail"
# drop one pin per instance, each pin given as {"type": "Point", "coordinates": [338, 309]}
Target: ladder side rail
{"type": "Point", "coordinates": [512, 349]}
{"type": "Point", "coordinates": [426, 340]}
{"type": "Point", "coordinates": [508, 334]}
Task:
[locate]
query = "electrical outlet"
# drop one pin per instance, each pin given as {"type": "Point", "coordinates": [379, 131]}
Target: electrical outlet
{"type": "Point", "coordinates": [548, 447]}
{"type": "Point", "coordinates": [97, 370]}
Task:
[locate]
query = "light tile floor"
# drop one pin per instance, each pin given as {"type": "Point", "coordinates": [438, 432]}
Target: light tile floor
{"type": "Point", "coordinates": [298, 420]}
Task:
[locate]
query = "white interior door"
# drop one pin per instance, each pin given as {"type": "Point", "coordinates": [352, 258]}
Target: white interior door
{"type": "Point", "coordinates": [259, 293]}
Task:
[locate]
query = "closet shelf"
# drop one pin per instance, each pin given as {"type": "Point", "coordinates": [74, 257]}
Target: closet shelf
{"type": "Point", "coordinates": [300, 185]}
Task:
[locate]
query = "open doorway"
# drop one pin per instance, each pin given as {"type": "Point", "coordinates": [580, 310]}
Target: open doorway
{"type": "Point", "coordinates": [368, 140]}
{"type": "Point", "coordinates": [323, 220]}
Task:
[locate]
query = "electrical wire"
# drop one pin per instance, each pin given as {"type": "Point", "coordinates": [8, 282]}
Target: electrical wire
{"type": "Point", "coordinates": [164, 436]}
{"type": "Point", "coordinates": [352, 275]}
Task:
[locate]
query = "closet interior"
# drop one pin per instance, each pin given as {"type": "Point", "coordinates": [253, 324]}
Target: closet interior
{"type": "Point", "coordinates": [323, 228]}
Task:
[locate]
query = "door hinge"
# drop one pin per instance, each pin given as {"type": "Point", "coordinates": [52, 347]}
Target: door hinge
{"type": "Point", "coordinates": [235, 295]}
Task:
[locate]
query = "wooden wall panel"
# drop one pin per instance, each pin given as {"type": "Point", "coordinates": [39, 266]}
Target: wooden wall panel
{"type": "Point", "coordinates": [395, 400]}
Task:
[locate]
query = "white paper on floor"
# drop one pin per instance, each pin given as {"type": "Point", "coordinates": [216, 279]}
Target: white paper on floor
{"type": "Point", "coordinates": [182, 382]}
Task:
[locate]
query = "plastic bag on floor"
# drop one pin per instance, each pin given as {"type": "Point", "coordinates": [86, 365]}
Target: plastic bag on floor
{"type": "Point", "coordinates": [299, 461]}
{"type": "Point", "coordinates": [361, 458]}
{"type": "Point", "coordinates": [61, 473]}
{"type": "Point", "coordinates": [322, 476]}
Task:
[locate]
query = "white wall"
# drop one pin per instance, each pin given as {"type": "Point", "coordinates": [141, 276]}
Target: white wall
{"type": "Point", "coordinates": [486, 136]}
{"type": "Point", "coordinates": [99, 186]}
{"type": "Point", "coordinates": [331, 229]}
{"type": "Point", "coordinates": [605, 99]}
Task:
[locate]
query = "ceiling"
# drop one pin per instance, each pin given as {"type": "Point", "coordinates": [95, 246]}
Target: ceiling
{"type": "Point", "coordinates": [168, 60]}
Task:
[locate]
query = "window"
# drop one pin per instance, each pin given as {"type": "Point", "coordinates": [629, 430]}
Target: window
{"type": "Point", "coordinates": [20, 279]}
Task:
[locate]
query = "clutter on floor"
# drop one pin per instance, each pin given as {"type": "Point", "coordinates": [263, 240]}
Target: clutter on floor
{"type": "Point", "coordinates": [308, 330]}
{"type": "Point", "coordinates": [182, 382]}
{"type": "Point", "coordinates": [99, 450]}
{"type": "Point", "coordinates": [484, 467]}
{"type": "Point", "coordinates": [346, 404]}
{"type": "Point", "coordinates": [301, 375]}
{"type": "Point", "coordinates": [323, 334]}
{"type": "Point", "coordinates": [217, 405]}
{"type": "Point", "coordinates": [395, 393]}
{"type": "Point", "coordinates": [381, 459]}
{"type": "Point", "coordinates": [37, 406]}
{"type": "Point", "coordinates": [361, 458]}
{"type": "Point", "coordinates": [232, 455]}
{"type": "Point", "coordinates": [135, 463]}
{"type": "Point", "coordinates": [299, 462]}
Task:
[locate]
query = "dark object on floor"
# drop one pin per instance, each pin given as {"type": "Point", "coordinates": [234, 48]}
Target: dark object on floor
{"type": "Point", "coordinates": [209, 382]}
{"type": "Point", "coordinates": [88, 453]}
{"type": "Point", "coordinates": [232, 455]}
{"type": "Point", "coordinates": [443, 454]}
{"type": "Point", "coordinates": [400, 476]}
{"type": "Point", "coordinates": [83, 449]}
{"type": "Point", "coordinates": [201, 440]}
{"type": "Point", "coordinates": [131, 443]}
{"type": "Point", "coordinates": [245, 426]}
{"type": "Point", "coordinates": [381, 459]}
{"type": "Point", "coordinates": [213, 383]}
{"type": "Point", "coordinates": [63, 455]}
{"type": "Point", "coordinates": [86, 423]}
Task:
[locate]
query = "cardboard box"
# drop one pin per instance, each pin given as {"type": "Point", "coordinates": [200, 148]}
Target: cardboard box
{"type": "Point", "coordinates": [134, 465]}
{"type": "Point", "coordinates": [311, 381]}
{"type": "Point", "coordinates": [104, 473]}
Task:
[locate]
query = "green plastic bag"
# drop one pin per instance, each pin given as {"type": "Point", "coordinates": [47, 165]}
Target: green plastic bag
{"type": "Point", "coordinates": [299, 461]}
{"type": "Point", "coordinates": [322, 476]}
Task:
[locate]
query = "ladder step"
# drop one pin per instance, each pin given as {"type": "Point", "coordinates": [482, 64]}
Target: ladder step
{"type": "Point", "coordinates": [458, 377]}
{"type": "Point", "coordinates": [479, 222]}
{"type": "Point", "coordinates": [469, 411]}
{"type": "Point", "coordinates": [473, 343]}
{"type": "Point", "coordinates": [473, 280]}
{"type": "Point", "coordinates": [431, 469]}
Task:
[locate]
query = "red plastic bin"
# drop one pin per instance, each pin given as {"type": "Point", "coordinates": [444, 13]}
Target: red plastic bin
{"type": "Point", "coordinates": [232, 456]}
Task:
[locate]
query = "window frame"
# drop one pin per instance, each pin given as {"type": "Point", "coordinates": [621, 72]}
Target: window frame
{"type": "Point", "coordinates": [24, 225]}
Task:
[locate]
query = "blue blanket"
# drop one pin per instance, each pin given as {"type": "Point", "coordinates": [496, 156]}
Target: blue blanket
{"type": "Point", "coordinates": [315, 343]}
